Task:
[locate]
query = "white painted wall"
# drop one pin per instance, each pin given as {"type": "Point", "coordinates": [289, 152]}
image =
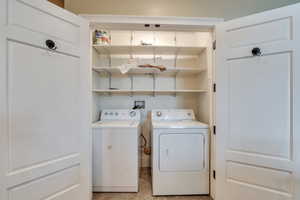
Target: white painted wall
{"type": "Point", "coordinates": [228, 9]}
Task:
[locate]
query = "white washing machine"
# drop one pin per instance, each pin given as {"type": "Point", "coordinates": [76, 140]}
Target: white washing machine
{"type": "Point", "coordinates": [180, 153]}
{"type": "Point", "coordinates": [116, 151]}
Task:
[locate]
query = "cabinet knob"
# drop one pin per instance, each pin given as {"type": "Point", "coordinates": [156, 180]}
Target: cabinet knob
{"type": "Point", "coordinates": [256, 51]}
{"type": "Point", "coordinates": [51, 44]}
{"type": "Point", "coordinates": [158, 113]}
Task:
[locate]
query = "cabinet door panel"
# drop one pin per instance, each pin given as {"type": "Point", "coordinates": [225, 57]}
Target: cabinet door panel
{"type": "Point", "coordinates": [115, 152]}
{"type": "Point", "coordinates": [41, 105]}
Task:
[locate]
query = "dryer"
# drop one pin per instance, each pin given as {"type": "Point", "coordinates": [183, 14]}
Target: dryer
{"type": "Point", "coordinates": [180, 153]}
{"type": "Point", "coordinates": [116, 151]}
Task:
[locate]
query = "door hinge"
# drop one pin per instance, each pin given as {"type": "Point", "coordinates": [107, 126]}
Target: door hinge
{"type": "Point", "coordinates": [214, 45]}
{"type": "Point", "coordinates": [215, 87]}
{"type": "Point", "coordinates": [214, 174]}
{"type": "Point", "coordinates": [214, 130]}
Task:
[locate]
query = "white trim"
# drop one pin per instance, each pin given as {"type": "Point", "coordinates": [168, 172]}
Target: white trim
{"type": "Point", "coordinates": [3, 102]}
{"type": "Point", "coordinates": [131, 19]}
{"type": "Point", "coordinates": [115, 188]}
{"type": "Point", "coordinates": [86, 101]}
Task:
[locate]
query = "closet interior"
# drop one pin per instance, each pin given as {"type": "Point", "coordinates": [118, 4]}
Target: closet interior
{"type": "Point", "coordinates": [151, 66]}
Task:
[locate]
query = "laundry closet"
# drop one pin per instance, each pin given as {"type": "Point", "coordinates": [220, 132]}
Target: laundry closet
{"type": "Point", "coordinates": [185, 82]}
{"type": "Point", "coordinates": [169, 63]}
{"type": "Point", "coordinates": [123, 76]}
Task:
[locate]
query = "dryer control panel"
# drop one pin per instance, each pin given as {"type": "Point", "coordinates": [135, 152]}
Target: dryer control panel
{"type": "Point", "coordinates": [172, 114]}
{"type": "Point", "coordinates": [113, 114]}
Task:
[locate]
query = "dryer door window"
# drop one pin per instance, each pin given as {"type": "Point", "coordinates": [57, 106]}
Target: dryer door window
{"type": "Point", "coordinates": [182, 152]}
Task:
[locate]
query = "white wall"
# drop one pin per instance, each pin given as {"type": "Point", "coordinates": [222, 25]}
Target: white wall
{"type": "Point", "coordinates": [226, 9]}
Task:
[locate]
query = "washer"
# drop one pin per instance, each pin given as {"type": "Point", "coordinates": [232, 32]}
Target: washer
{"type": "Point", "coordinates": [116, 151]}
{"type": "Point", "coordinates": [180, 153]}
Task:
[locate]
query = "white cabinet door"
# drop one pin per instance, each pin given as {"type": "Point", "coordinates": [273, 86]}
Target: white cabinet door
{"type": "Point", "coordinates": [257, 113]}
{"type": "Point", "coordinates": [115, 160]}
{"type": "Point", "coordinates": [44, 137]}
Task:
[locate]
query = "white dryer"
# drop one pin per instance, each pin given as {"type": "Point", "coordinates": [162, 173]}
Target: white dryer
{"type": "Point", "coordinates": [116, 151]}
{"type": "Point", "coordinates": [180, 153]}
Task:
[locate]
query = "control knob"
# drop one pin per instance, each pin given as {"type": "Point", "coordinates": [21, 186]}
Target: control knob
{"type": "Point", "coordinates": [132, 114]}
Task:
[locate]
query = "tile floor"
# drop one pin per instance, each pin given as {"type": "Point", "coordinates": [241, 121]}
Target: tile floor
{"type": "Point", "coordinates": [144, 193]}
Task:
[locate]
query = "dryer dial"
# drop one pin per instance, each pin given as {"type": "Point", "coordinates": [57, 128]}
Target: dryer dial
{"type": "Point", "coordinates": [132, 114]}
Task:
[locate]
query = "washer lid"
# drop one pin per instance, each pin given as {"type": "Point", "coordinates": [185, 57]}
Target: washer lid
{"type": "Point", "coordinates": [179, 124]}
{"type": "Point", "coordinates": [116, 124]}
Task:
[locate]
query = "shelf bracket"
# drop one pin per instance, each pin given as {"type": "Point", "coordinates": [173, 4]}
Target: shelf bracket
{"type": "Point", "coordinates": [107, 53]}
{"type": "Point", "coordinates": [176, 58]}
{"type": "Point", "coordinates": [175, 83]}
{"type": "Point", "coordinates": [131, 86]}
{"type": "Point", "coordinates": [131, 45]}
{"type": "Point", "coordinates": [154, 84]}
{"type": "Point", "coordinates": [109, 60]}
{"type": "Point", "coordinates": [97, 50]}
{"type": "Point", "coordinates": [154, 55]}
{"type": "Point", "coordinates": [109, 79]}
{"type": "Point", "coordinates": [109, 82]}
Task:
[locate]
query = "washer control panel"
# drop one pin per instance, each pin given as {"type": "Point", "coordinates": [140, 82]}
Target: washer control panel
{"type": "Point", "coordinates": [173, 114]}
{"type": "Point", "coordinates": [120, 115]}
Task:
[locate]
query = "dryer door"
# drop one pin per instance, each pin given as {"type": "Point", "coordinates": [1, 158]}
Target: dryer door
{"type": "Point", "coordinates": [182, 152]}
